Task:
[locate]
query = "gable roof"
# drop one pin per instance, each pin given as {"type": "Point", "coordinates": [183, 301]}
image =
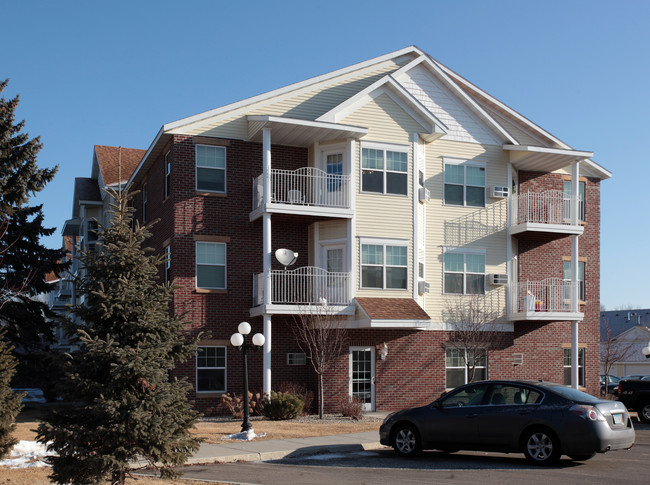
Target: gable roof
{"type": "Point", "coordinates": [109, 162]}
{"type": "Point", "coordinates": [620, 321]}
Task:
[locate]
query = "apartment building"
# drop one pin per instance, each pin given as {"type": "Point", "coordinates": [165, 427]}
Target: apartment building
{"type": "Point", "coordinates": [408, 193]}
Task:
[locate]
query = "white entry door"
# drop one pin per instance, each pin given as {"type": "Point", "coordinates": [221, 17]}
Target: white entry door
{"type": "Point", "coordinates": [336, 284]}
{"type": "Point", "coordinates": [362, 376]}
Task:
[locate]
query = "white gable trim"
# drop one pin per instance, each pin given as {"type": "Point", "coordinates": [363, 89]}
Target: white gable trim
{"type": "Point", "coordinates": [389, 86]}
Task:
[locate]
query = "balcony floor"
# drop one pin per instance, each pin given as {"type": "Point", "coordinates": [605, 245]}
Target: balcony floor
{"type": "Point", "coordinates": [277, 309]}
{"type": "Point", "coordinates": [533, 316]}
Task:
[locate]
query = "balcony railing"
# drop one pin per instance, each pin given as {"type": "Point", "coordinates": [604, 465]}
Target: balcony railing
{"type": "Point", "coordinates": [552, 295]}
{"type": "Point", "coordinates": [304, 286]}
{"type": "Point", "coordinates": [550, 207]}
{"type": "Point", "coordinates": [306, 186]}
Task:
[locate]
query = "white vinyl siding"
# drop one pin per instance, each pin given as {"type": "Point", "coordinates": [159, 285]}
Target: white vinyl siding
{"type": "Point", "coordinates": [210, 265]}
{"type": "Point", "coordinates": [210, 168]}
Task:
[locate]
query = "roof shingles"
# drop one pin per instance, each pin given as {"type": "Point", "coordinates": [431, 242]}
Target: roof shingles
{"type": "Point", "coordinates": [392, 309]}
{"type": "Point", "coordinates": [109, 161]}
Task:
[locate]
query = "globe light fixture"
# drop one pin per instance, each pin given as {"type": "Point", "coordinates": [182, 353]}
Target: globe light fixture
{"type": "Point", "coordinates": [239, 340]}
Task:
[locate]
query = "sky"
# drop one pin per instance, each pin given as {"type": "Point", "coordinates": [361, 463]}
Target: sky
{"type": "Point", "coordinates": [112, 73]}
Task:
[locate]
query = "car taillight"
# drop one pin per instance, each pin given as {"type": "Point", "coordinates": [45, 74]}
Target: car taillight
{"type": "Point", "coordinates": [587, 412]}
{"type": "Point", "coordinates": [619, 388]}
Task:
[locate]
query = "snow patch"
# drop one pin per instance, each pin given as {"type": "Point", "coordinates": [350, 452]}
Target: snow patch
{"type": "Point", "coordinates": [27, 454]}
{"type": "Point", "coordinates": [244, 436]}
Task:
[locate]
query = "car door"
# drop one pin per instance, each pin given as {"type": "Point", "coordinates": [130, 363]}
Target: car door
{"type": "Point", "coordinates": [453, 422]}
{"type": "Point", "coordinates": [509, 409]}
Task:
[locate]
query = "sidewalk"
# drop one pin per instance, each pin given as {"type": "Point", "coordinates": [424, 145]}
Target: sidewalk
{"type": "Point", "coordinates": [292, 447]}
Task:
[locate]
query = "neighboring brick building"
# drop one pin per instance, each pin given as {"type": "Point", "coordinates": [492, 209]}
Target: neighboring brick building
{"type": "Point", "coordinates": [407, 192]}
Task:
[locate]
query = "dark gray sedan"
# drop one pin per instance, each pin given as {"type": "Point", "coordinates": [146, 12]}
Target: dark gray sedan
{"type": "Point", "coordinates": [540, 419]}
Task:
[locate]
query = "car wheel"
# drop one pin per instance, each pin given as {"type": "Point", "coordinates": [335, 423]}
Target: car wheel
{"type": "Point", "coordinates": [406, 440]}
{"type": "Point", "coordinates": [540, 446]}
{"type": "Point", "coordinates": [644, 412]}
{"type": "Point", "coordinates": [582, 457]}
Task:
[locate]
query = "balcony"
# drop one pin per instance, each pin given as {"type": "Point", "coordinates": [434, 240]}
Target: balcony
{"type": "Point", "coordinates": [550, 212]}
{"type": "Point", "coordinates": [305, 191]}
{"type": "Point", "coordinates": [293, 291]}
{"type": "Point", "coordinates": [547, 300]}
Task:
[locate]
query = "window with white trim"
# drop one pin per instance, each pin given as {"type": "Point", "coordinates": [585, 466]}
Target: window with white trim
{"type": "Point", "coordinates": [168, 264]}
{"type": "Point", "coordinates": [384, 170]}
{"type": "Point", "coordinates": [168, 174]}
{"type": "Point", "coordinates": [211, 265]}
{"type": "Point", "coordinates": [464, 272]}
{"type": "Point", "coordinates": [144, 202]}
{"type": "Point", "coordinates": [581, 366]}
{"type": "Point", "coordinates": [211, 369]}
{"type": "Point", "coordinates": [456, 366]}
{"type": "Point", "coordinates": [581, 280]}
{"type": "Point", "coordinates": [210, 168]}
{"type": "Point", "coordinates": [568, 189]}
{"type": "Point", "coordinates": [384, 265]}
{"type": "Point", "coordinates": [464, 183]}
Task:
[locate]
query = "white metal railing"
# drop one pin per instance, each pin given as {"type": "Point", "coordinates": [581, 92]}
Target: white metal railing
{"type": "Point", "coordinates": [549, 295]}
{"type": "Point", "coordinates": [307, 186]}
{"type": "Point", "coordinates": [303, 286]}
{"type": "Point", "coordinates": [550, 207]}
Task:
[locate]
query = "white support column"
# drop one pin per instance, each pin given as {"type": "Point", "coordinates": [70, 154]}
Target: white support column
{"type": "Point", "coordinates": [512, 285]}
{"type": "Point", "coordinates": [266, 246]}
{"type": "Point", "coordinates": [575, 297]}
{"type": "Point", "coordinates": [352, 224]}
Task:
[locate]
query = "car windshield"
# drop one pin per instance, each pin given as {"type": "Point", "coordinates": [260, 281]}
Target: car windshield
{"type": "Point", "coordinates": [573, 394]}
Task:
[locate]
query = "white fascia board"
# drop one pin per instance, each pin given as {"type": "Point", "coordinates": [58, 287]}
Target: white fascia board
{"type": "Point", "coordinates": [289, 88]}
{"type": "Point", "coordinates": [389, 86]}
{"type": "Point", "coordinates": [594, 169]}
{"type": "Point", "coordinates": [146, 155]}
{"type": "Point", "coordinates": [551, 151]}
{"type": "Point", "coordinates": [503, 106]}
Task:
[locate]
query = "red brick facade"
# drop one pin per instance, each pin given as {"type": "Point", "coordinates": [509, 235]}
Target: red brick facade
{"type": "Point", "coordinates": [413, 372]}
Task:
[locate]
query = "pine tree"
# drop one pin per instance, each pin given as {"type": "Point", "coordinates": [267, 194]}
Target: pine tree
{"type": "Point", "coordinates": [25, 261]}
{"type": "Point", "coordinates": [129, 407]}
{"type": "Point", "coordinates": [9, 402]}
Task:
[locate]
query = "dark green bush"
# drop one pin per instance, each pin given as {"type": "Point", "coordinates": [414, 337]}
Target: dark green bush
{"type": "Point", "coordinates": [282, 405]}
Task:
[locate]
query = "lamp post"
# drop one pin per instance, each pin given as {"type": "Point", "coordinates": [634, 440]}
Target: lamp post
{"type": "Point", "coordinates": [239, 340]}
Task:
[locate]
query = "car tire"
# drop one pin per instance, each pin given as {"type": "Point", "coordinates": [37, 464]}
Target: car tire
{"type": "Point", "coordinates": [540, 446]}
{"type": "Point", "coordinates": [644, 412]}
{"type": "Point", "coordinates": [406, 440]}
{"type": "Point", "coordinates": [582, 457]}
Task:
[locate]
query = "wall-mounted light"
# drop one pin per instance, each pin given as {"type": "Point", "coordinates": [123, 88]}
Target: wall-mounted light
{"type": "Point", "coordinates": [383, 351]}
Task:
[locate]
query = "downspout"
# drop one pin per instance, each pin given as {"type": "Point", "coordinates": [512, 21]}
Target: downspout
{"type": "Point", "coordinates": [416, 203]}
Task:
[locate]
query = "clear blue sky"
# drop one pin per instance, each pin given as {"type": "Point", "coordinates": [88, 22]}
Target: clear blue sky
{"type": "Point", "coordinates": [112, 73]}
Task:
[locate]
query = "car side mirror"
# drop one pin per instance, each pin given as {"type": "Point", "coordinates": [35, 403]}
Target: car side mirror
{"type": "Point", "coordinates": [436, 405]}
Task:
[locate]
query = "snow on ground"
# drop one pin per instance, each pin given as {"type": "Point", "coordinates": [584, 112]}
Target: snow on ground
{"type": "Point", "coordinates": [244, 436]}
{"type": "Point", "coordinates": [27, 454]}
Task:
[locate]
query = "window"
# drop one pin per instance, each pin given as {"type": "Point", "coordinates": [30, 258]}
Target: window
{"type": "Point", "coordinates": [384, 266]}
{"type": "Point", "coordinates": [210, 265]}
{"type": "Point", "coordinates": [581, 367]}
{"type": "Point", "coordinates": [384, 171]}
{"type": "Point", "coordinates": [211, 369]}
{"type": "Point", "coordinates": [581, 280]}
{"type": "Point", "coordinates": [456, 373]}
{"type": "Point", "coordinates": [464, 184]}
{"type": "Point", "coordinates": [509, 395]}
{"type": "Point", "coordinates": [168, 174]}
{"type": "Point", "coordinates": [464, 272]}
{"type": "Point", "coordinates": [144, 202]}
{"type": "Point", "coordinates": [210, 168]}
{"type": "Point", "coordinates": [334, 171]}
{"type": "Point", "coordinates": [92, 235]}
{"type": "Point", "coordinates": [568, 188]}
{"type": "Point", "coordinates": [168, 264]}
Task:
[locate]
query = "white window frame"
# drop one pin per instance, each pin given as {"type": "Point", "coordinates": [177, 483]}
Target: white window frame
{"type": "Point", "coordinates": [464, 251]}
{"type": "Point", "coordinates": [582, 290]}
{"type": "Point", "coordinates": [168, 174]}
{"type": "Point", "coordinates": [566, 365]}
{"type": "Point", "coordinates": [465, 163]}
{"type": "Point", "coordinates": [384, 243]}
{"type": "Point", "coordinates": [566, 189]}
{"type": "Point", "coordinates": [144, 202]}
{"type": "Point", "coordinates": [225, 265]}
{"type": "Point", "coordinates": [464, 366]}
{"type": "Point", "coordinates": [168, 264]}
{"type": "Point", "coordinates": [224, 368]}
{"type": "Point", "coordinates": [385, 147]}
{"type": "Point", "coordinates": [224, 169]}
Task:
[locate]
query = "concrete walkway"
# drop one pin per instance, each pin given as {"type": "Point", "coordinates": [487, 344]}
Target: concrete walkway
{"type": "Point", "coordinates": [260, 449]}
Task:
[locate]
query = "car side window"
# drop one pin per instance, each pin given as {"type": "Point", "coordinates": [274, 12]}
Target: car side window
{"type": "Point", "coordinates": [468, 396]}
{"type": "Point", "coordinates": [503, 394]}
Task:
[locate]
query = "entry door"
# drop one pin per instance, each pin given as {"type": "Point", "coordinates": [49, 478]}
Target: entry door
{"type": "Point", "coordinates": [336, 285]}
{"type": "Point", "coordinates": [333, 162]}
{"type": "Point", "coordinates": [362, 376]}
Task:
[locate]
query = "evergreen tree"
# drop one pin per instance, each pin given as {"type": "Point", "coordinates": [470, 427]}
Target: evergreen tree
{"type": "Point", "coordinates": [9, 402]}
{"type": "Point", "coordinates": [25, 261]}
{"type": "Point", "coordinates": [129, 407]}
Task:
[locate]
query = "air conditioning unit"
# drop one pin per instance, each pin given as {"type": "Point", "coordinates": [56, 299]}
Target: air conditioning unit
{"type": "Point", "coordinates": [517, 359]}
{"type": "Point", "coordinates": [423, 287]}
{"type": "Point", "coordinates": [498, 279]}
{"type": "Point", "coordinates": [425, 195]}
{"type": "Point", "coordinates": [499, 192]}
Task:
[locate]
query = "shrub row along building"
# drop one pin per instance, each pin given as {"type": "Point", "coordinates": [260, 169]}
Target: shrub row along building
{"type": "Point", "coordinates": [439, 224]}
